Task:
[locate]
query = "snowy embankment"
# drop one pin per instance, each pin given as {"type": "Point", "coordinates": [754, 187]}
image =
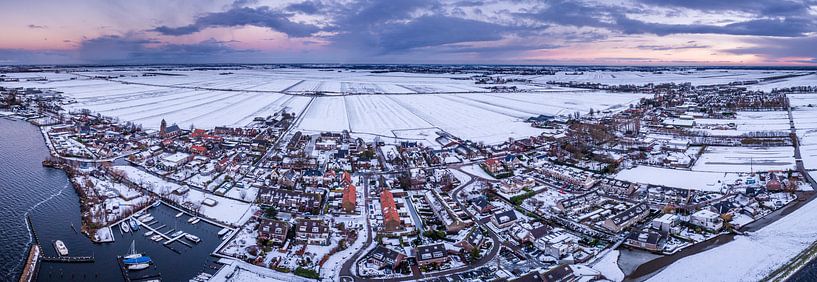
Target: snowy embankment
{"type": "Point", "coordinates": [608, 266]}
{"type": "Point", "coordinates": [226, 210]}
{"type": "Point", "coordinates": [750, 257]}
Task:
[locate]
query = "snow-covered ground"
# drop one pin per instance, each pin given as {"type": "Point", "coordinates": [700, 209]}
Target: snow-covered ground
{"type": "Point", "coordinates": [695, 180]}
{"type": "Point", "coordinates": [206, 99]}
{"type": "Point", "coordinates": [805, 120]}
{"type": "Point", "coordinates": [226, 210]}
{"type": "Point", "coordinates": [746, 122]}
{"type": "Point", "coordinates": [745, 159]}
{"type": "Point", "coordinates": [805, 80]}
{"type": "Point", "coordinates": [608, 266]}
{"type": "Point", "coordinates": [696, 77]}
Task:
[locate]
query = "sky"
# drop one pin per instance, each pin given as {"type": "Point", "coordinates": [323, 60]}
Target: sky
{"type": "Point", "coordinates": [625, 32]}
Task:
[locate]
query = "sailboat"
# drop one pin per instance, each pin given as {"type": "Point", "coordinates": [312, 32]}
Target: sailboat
{"type": "Point", "coordinates": [139, 260]}
{"type": "Point", "coordinates": [132, 251]}
{"type": "Point", "coordinates": [138, 266]}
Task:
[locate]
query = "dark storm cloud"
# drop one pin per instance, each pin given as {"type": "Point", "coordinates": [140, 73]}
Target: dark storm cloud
{"type": "Point", "coordinates": [306, 7]}
{"type": "Point", "coordinates": [760, 7]}
{"type": "Point", "coordinates": [778, 48]}
{"type": "Point", "coordinates": [615, 18]}
{"type": "Point", "coordinates": [242, 16]}
{"type": "Point", "coordinates": [23, 56]}
{"type": "Point", "coordinates": [127, 49]}
{"type": "Point", "coordinates": [433, 31]}
{"type": "Point", "coordinates": [761, 27]}
{"type": "Point", "coordinates": [382, 27]}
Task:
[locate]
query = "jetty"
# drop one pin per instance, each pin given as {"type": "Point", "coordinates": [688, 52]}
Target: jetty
{"type": "Point", "coordinates": [151, 273]}
{"type": "Point", "coordinates": [30, 270]}
{"type": "Point", "coordinates": [177, 239]}
{"type": "Point", "coordinates": [68, 259]}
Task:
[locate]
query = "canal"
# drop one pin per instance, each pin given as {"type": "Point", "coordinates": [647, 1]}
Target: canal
{"type": "Point", "coordinates": [29, 189]}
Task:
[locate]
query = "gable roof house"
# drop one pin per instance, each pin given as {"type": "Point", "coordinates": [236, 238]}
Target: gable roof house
{"type": "Point", "coordinates": [384, 257]}
{"type": "Point", "coordinates": [312, 231]}
{"type": "Point", "coordinates": [431, 254]}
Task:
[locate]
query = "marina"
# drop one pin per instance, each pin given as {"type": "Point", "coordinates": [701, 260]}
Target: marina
{"type": "Point", "coordinates": [45, 195]}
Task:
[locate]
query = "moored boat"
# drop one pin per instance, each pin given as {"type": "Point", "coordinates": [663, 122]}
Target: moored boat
{"type": "Point", "coordinates": [139, 260]}
{"type": "Point", "coordinates": [157, 203]}
{"type": "Point", "coordinates": [223, 231]}
{"type": "Point", "coordinates": [146, 219]}
{"type": "Point", "coordinates": [138, 266]}
{"type": "Point", "coordinates": [190, 220]}
{"type": "Point", "coordinates": [148, 233]}
{"type": "Point", "coordinates": [124, 227]}
{"type": "Point", "coordinates": [61, 248]}
{"type": "Point", "coordinates": [156, 238]}
{"type": "Point", "coordinates": [196, 221]}
{"type": "Point", "coordinates": [132, 251]}
{"type": "Point", "coordinates": [179, 214]}
{"type": "Point", "coordinates": [134, 225]}
{"type": "Point", "coordinates": [192, 238]}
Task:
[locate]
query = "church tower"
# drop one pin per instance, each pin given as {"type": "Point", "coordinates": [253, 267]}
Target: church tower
{"type": "Point", "coordinates": [162, 128]}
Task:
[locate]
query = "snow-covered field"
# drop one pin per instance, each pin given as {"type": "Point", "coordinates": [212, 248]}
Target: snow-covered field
{"type": "Point", "coordinates": [701, 77]}
{"type": "Point", "coordinates": [206, 99]}
{"type": "Point", "coordinates": [695, 180]}
{"type": "Point", "coordinates": [805, 120]}
{"type": "Point", "coordinates": [491, 118]}
{"type": "Point", "coordinates": [805, 80]}
{"type": "Point", "coordinates": [745, 159]}
{"type": "Point", "coordinates": [746, 122]}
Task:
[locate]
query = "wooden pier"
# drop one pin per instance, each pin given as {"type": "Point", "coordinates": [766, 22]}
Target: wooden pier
{"type": "Point", "coordinates": [152, 273]}
{"type": "Point", "coordinates": [155, 231]}
{"type": "Point", "coordinates": [68, 259]}
{"type": "Point", "coordinates": [177, 238]}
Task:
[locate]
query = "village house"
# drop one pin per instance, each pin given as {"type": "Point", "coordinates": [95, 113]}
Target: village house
{"type": "Point", "coordinates": [557, 244]}
{"type": "Point", "coordinates": [384, 257]}
{"type": "Point", "coordinates": [391, 216]}
{"type": "Point", "coordinates": [349, 202]}
{"type": "Point", "coordinates": [289, 200]}
{"type": "Point", "coordinates": [515, 184]}
{"type": "Point", "coordinates": [312, 232]}
{"type": "Point", "coordinates": [504, 219]}
{"type": "Point", "coordinates": [273, 230]}
{"type": "Point", "coordinates": [626, 218]}
{"type": "Point", "coordinates": [431, 254]}
{"type": "Point", "coordinates": [706, 219]}
{"type": "Point", "coordinates": [174, 161]}
{"type": "Point", "coordinates": [647, 239]}
{"type": "Point", "coordinates": [481, 205]}
{"type": "Point", "coordinates": [667, 223]}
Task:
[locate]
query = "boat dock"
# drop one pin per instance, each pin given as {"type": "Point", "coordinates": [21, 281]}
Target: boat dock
{"type": "Point", "coordinates": [67, 259]}
{"type": "Point", "coordinates": [155, 231]}
{"type": "Point", "coordinates": [177, 239]}
{"type": "Point", "coordinates": [30, 270]}
{"type": "Point", "coordinates": [151, 273]}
